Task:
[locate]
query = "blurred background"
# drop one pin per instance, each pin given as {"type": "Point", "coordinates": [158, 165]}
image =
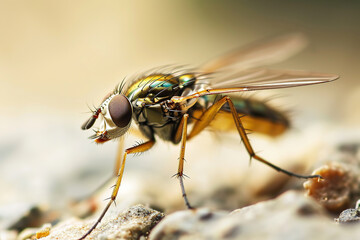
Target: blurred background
{"type": "Point", "coordinates": [57, 57]}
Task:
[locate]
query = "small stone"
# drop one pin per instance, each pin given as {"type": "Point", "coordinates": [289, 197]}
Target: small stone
{"type": "Point", "coordinates": [340, 168]}
{"type": "Point", "coordinates": [350, 215]}
{"type": "Point", "coordinates": [337, 188]}
{"type": "Point", "coordinates": [290, 216]}
{"type": "Point", "coordinates": [44, 231]}
{"type": "Point", "coordinates": [190, 224]}
{"type": "Point", "coordinates": [135, 222]}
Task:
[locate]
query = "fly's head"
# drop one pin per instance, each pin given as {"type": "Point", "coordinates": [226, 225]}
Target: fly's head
{"type": "Point", "coordinates": [115, 113]}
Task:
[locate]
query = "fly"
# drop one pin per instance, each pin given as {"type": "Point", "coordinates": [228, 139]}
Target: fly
{"type": "Point", "coordinates": [178, 105]}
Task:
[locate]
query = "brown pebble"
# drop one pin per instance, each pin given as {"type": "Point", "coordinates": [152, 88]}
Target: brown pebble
{"type": "Point", "coordinates": [334, 190]}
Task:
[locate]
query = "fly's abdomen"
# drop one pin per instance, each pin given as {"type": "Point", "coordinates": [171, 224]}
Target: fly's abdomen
{"type": "Point", "coordinates": [257, 116]}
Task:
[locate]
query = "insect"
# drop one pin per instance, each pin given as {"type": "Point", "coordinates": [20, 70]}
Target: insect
{"type": "Point", "coordinates": [177, 105]}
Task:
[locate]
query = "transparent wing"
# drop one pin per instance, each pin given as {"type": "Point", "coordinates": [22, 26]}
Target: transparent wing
{"type": "Point", "coordinates": [259, 54]}
{"type": "Point", "coordinates": [258, 79]}
{"type": "Point", "coordinates": [262, 79]}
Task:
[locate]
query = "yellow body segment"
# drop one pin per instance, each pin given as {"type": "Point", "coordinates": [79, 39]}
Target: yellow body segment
{"type": "Point", "coordinates": [224, 121]}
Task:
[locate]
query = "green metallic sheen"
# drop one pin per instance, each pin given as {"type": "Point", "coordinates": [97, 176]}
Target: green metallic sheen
{"type": "Point", "coordinates": [148, 93]}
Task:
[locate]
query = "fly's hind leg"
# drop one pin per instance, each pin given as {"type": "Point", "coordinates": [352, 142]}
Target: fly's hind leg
{"type": "Point", "coordinates": [182, 133]}
{"type": "Point", "coordinates": [209, 115]}
{"type": "Point", "coordinates": [137, 149]}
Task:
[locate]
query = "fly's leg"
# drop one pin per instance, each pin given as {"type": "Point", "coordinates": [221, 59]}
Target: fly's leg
{"type": "Point", "coordinates": [120, 151]}
{"type": "Point", "coordinates": [119, 156]}
{"type": "Point", "coordinates": [209, 115]}
{"type": "Point", "coordinates": [137, 149]}
{"type": "Point", "coordinates": [182, 132]}
{"type": "Point", "coordinates": [118, 159]}
{"type": "Point", "coordinates": [88, 198]}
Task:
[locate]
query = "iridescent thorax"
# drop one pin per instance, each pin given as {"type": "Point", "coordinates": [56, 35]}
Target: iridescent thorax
{"type": "Point", "coordinates": [148, 96]}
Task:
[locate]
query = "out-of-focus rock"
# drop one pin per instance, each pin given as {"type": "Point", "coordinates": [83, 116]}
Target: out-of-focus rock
{"type": "Point", "coordinates": [131, 224]}
{"type": "Point", "coordinates": [34, 217]}
{"type": "Point", "coordinates": [291, 216]}
{"type": "Point", "coordinates": [24, 219]}
{"type": "Point", "coordinates": [192, 224]}
{"type": "Point", "coordinates": [34, 233]}
{"type": "Point", "coordinates": [28, 233]}
{"type": "Point", "coordinates": [19, 216]}
{"type": "Point", "coordinates": [8, 235]}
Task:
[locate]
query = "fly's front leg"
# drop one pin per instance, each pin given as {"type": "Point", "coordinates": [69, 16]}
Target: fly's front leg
{"type": "Point", "coordinates": [182, 132]}
{"type": "Point", "coordinates": [209, 115]}
{"type": "Point", "coordinates": [119, 156]}
{"type": "Point", "coordinates": [137, 149]}
{"type": "Point", "coordinates": [90, 197]}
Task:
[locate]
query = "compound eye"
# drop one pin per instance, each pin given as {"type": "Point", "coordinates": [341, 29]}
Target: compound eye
{"type": "Point", "coordinates": [120, 110]}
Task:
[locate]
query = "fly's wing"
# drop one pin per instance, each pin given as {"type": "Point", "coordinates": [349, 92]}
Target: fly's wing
{"type": "Point", "coordinates": [260, 79]}
{"type": "Point", "coordinates": [243, 64]}
{"type": "Point", "coordinates": [259, 54]}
